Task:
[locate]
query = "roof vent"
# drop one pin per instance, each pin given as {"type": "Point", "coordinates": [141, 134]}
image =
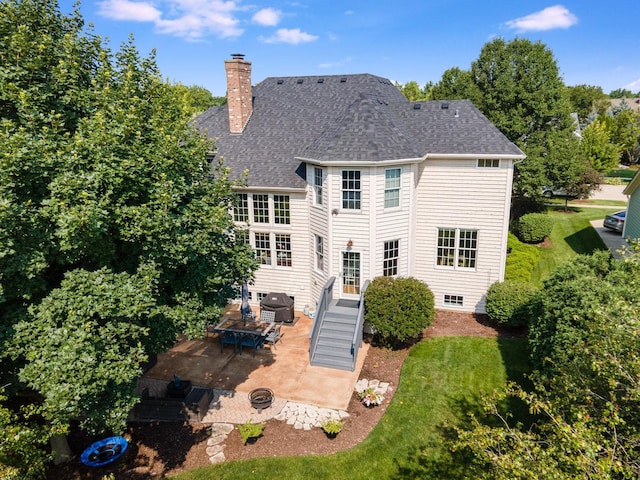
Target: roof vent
{"type": "Point", "coordinates": [280, 82]}
{"type": "Point", "coordinates": [300, 80]}
{"type": "Point", "coordinates": [321, 80]}
{"type": "Point", "coordinates": [343, 80]}
{"type": "Point", "coordinates": [444, 106]}
{"type": "Point", "coordinates": [457, 113]}
{"type": "Point", "coordinates": [416, 106]}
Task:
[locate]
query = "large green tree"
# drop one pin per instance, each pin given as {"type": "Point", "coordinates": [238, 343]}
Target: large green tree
{"type": "Point", "coordinates": [584, 340]}
{"type": "Point", "coordinates": [115, 230]}
{"type": "Point", "coordinates": [517, 85]}
{"type": "Point", "coordinates": [585, 99]}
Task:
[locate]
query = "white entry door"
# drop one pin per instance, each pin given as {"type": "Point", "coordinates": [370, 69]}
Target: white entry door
{"type": "Point", "coordinates": [350, 275]}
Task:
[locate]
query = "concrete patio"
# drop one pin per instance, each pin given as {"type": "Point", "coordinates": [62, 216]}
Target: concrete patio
{"type": "Point", "coordinates": [284, 369]}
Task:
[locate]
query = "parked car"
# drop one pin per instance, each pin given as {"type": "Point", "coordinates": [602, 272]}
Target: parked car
{"type": "Point", "coordinates": [615, 221]}
{"type": "Point", "coordinates": [551, 192]}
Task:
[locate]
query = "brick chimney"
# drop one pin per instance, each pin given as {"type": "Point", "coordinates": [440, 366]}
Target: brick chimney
{"type": "Point", "coordinates": [239, 95]}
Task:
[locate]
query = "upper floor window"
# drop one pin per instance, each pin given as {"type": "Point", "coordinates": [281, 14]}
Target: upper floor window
{"type": "Point", "coordinates": [391, 255]}
{"type": "Point", "coordinates": [319, 253]}
{"type": "Point", "coordinates": [263, 248]}
{"type": "Point", "coordinates": [260, 208]}
{"type": "Point", "coordinates": [457, 248]}
{"type": "Point", "coordinates": [488, 163]}
{"type": "Point", "coordinates": [392, 187]}
{"type": "Point", "coordinates": [351, 189]}
{"type": "Point", "coordinates": [281, 211]}
{"type": "Point", "coordinates": [318, 179]}
{"type": "Point", "coordinates": [241, 208]}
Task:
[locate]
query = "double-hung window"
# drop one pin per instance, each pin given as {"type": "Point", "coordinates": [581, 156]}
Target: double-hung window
{"type": "Point", "coordinates": [283, 250]}
{"type": "Point", "coordinates": [263, 248]}
{"type": "Point", "coordinates": [391, 255]}
{"type": "Point", "coordinates": [457, 248]}
{"type": "Point", "coordinates": [318, 179]}
{"type": "Point", "coordinates": [319, 253]}
{"type": "Point", "coordinates": [260, 208]}
{"type": "Point", "coordinates": [241, 208]}
{"type": "Point", "coordinates": [392, 187]}
{"type": "Point", "coordinates": [351, 189]}
{"type": "Point", "coordinates": [281, 211]}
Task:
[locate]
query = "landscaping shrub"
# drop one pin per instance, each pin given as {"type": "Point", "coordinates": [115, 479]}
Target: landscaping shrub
{"type": "Point", "coordinates": [534, 227]}
{"type": "Point", "coordinates": [508, 302]}
{"type": "Point", "coordinates": [398, 308]}
{"type": "Point", "coordinates": [522, 259]}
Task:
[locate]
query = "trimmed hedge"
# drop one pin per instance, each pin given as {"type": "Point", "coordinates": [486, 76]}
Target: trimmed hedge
{"type": "Point", "coordinates": [534, 227]}
{"type": "Point", "coordinates": [508, 302]}
{"type": "Point", "coordinates": [399, 309]}
{"type": "Point", "coordinates": [522, 259]}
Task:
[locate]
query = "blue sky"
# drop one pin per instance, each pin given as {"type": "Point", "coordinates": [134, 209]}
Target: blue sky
{"type": "Point", "coordinates": [594, 42]}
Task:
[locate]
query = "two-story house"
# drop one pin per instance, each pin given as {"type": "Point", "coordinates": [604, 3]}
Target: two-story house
{"type": "Point", "coordinates": [349, 179]}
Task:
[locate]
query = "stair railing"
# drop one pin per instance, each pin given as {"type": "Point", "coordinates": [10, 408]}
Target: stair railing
{"type": "Point", "coordinates": [356, 343]}
{"type": "Point", "coordinates": [326, 297]}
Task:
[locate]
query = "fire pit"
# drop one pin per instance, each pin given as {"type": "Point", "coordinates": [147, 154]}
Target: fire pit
{"type": "Point", "coordinates": [261, 398]}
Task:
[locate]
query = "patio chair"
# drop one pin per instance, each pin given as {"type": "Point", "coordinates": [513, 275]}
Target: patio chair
{"type": "Point", "coordinates": [228, 338]}
{"type": "Point", "coordinates": [274, 334]}
{"type": "Point", "coordinates": [251, 340]}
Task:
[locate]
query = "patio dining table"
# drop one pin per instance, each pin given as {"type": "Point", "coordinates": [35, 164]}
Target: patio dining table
{"type": "Point", "coordinates": [243, 329]}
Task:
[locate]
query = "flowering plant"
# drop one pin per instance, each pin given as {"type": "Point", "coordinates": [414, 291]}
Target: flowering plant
{"type": "Point", "coordinates": [370, 397]}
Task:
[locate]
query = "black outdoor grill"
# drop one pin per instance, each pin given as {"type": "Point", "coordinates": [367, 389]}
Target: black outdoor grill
{"type": "Point", "coordinates": [281, 304]}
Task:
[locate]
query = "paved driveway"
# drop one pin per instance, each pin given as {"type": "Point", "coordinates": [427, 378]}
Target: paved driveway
{"type": "Point", "coordinates": [613, 240]}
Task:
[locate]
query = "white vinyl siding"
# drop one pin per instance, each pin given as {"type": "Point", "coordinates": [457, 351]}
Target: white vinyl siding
{"type": "Point", "coordinates": [294, 248]}
{"type": "Point", "coordinates": [476, 199]}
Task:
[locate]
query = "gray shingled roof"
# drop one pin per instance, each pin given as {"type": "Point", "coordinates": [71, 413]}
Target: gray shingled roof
{"type": "Point", "coordinates": [344, 118]}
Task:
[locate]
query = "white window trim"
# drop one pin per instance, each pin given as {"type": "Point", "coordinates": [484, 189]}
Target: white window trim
{"type": "Point", "coordinates": [317, 186]}
{"type": "Point", "coordinates": [456, 251]}
{"type": "Point", "coordinates": [398, 188]}
{"type": "Point", "coordinates": [451, 303]}
{"type": "Point", "coordinates": [484, 163]}
{"type": "Point", "coordinates": [319, 253]}
{"type": "Point", "coordinates": [342, 191]}
{"type": "Point", "coordinates": [397, 258]}
{"type": "Point", "coordinates": [273, 250]}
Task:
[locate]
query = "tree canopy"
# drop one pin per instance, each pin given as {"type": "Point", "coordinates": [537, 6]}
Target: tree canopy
{"type": "Point", "coordinates": [585, 398]}
{"type": "Point", "coordinates": [517, 85]}
{"type": "Point", "coordinates": [116, 230]}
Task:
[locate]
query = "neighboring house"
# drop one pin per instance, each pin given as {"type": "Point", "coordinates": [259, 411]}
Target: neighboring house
{"type": "Point", "coordinates": [632, 220]}
{"type": "Point", "coordinates": [349, 179]}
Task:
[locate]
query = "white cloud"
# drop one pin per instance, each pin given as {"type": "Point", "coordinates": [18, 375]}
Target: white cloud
{"type": "Point", "coordinates": [269, 17]}
{"type": "Point", "coordinates": [339, 63]}
{"type": "Point", "coordinates": [633, 86]}
{"type": "Point", "coordinates": [126, 10]}
{"type": "Point", "coordinates": [551, 17]}
{"type": "Point", "coordinates": [293, 36]}
{"type": "Point", "coordinates": [190, 19]}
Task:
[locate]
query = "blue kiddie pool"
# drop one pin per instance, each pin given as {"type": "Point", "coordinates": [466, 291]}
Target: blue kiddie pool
{"type": "Point", "coordinates": [104, 451]}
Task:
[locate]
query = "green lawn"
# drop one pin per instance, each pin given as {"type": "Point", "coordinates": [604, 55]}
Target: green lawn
{"type": "Point", "coordinates": [441, 381]}
{"type": "Point", "coordinates": [572, 234]}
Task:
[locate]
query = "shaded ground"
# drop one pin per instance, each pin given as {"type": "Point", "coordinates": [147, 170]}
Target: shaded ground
{"type": "Point", "coordinates": [161, 449]}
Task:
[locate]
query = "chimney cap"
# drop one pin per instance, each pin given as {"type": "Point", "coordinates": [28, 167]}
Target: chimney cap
{"type": "Point", "coordinates": [237, 56]}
